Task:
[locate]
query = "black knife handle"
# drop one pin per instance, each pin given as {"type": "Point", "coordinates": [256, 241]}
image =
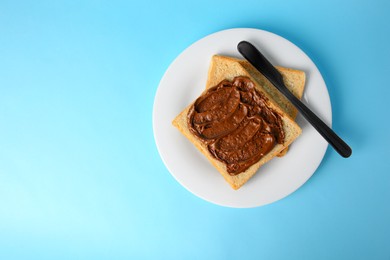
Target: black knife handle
{"type": "Point", "coordinates": [329, 135]}
{"type": "Point", "coordinates": [253, 55]}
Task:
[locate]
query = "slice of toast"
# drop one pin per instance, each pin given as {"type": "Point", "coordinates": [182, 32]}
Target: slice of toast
{"type": "Point", "coordinates": [293, 79]}
{"type": "Point", "coordinates": [227, 70]}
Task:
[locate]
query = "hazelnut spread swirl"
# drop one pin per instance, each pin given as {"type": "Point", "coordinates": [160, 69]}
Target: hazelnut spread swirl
{"type": "Point", "coordinates": [236, 124]}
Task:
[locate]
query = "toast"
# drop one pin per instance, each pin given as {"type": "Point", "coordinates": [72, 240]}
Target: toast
{"type": "Point", "coordinates": [228, 70]}
{"type": "Point", "coordinates": [293, 79]}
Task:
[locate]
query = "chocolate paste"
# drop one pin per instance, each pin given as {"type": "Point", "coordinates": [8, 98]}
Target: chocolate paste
{"type": "Point", "coordinates": [236, 123]}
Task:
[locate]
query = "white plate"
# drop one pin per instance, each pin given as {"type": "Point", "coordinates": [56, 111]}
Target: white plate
{"type": "Point", "coordinates": [185, 80]}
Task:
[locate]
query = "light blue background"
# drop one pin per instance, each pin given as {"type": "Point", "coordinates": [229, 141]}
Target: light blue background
{"type": "Point", "coordinates": [80, 175]}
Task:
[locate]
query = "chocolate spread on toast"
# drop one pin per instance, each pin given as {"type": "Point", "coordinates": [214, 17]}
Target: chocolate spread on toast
{"type": "Point", "coordinates": [236, 123]}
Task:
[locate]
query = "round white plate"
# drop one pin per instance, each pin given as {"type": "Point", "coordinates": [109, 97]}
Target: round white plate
{"type": "Point", "coordinates": [185, 80]}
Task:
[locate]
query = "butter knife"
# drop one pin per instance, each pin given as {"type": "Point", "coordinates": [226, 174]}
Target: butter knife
{"type": "Point", "coordinates": [257, 59]}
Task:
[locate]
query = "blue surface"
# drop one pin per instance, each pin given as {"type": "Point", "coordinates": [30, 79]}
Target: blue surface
{"type": "Point", "coordinates": [80, 175]}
